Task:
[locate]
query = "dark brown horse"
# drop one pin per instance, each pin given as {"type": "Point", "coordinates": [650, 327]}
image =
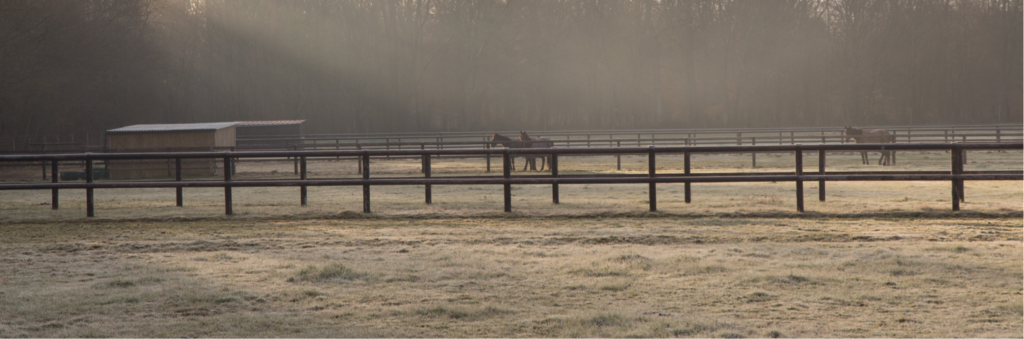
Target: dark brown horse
{"type": "Point", "coordinates": [537, 143]}
{"type": "Point", "coordinates": [875, 136]}
{"type": "Point", "coordinates": [506, 142]}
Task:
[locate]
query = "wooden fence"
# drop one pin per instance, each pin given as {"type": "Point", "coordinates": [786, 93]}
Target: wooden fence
{"type": "Point", "coordinates": [956, 175]}
{"type": "Point", "coordinates": [664, 137]}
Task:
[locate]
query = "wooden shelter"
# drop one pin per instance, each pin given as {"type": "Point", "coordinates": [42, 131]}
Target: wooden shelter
{"type": "Point", "coordinates": [168, 138]}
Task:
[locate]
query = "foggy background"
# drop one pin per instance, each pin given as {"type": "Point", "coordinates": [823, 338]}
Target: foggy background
{"type": "Point", "coordinates": [85, 66]}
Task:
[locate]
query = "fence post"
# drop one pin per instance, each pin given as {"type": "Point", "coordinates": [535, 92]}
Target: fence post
{"type": "Point", "coordinates": [423, 160]}
{"type": "Point", "coordinates": [227, 185]}
{"type": "Point", "coordinates": [960, 170]}
{"type": "Point", "coordinates": [964, 151]}
{"type": "Point", "coordinates": [177, 177]}
{"type": "Point", "coordinates": [652, 189]}
{"type": "Point", "coordinates": [821, 171]}
{"type": "Point", "coordinates": [302, 176]}
{"type": "Point", "coordinates": [426, 174]}
{"type": "Point", "coordinates": [294, 148]}
{"type": "Point", "coordinates": [234, 163]}
{"type": "Point", "coordinates": [507, 174]}
{"type": "Point", "coordinates": [954, 160]}
{"type": "Point", "coordinates": [686, 171]}
{"type": "Point", "coordinates": [799, 183]}
{"type": "Point", "coordinates": [366, 187]}
{"type": "Point", "coordinates": [554, 174]}
{"type": "Point", "coordinates": [53, 175]}
{"type": "Point", "coordinates": [739, 139]}
{"type": "Point", "coordinates": [359, 161]}
{"type": "Point", "coordinates": [90, 206]}
{"type": "Point", "coordinates": [753, 155]}
{"type": "Point", "coordinates": [488, 146]}
{"type": "Point", "coordinates": [792, 141]}
{"type": "Point", "coordinates": [618, 157]}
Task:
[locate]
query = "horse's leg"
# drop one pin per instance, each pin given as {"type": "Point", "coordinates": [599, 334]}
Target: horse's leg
{"type": "Point", "coordinates": [864, 158]}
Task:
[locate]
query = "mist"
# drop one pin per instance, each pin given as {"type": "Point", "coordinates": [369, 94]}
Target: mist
{"type": "Point", "coordinates": [85, 66]}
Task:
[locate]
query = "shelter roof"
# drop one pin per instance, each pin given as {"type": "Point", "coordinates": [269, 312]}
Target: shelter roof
{"type": "Point", "coordinates": [269, 123]}
{"type": "Point", "coordinates": [206, 126]}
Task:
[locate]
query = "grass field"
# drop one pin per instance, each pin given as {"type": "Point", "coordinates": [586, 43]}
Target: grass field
{"type": "Point", "coordinates": [877, 259]}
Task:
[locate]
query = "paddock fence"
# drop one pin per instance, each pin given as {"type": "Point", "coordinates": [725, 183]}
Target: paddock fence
{"type": "Point", "coordinates": [568, 138]}
{"type": "Point", "coordinates": [956, 175]}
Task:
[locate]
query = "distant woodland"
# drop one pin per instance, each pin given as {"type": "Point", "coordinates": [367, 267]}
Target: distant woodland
{"type": "Point", "coordinates": [84, 66]}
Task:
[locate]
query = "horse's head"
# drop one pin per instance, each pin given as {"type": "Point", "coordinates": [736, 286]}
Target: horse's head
{"type": "Point", "coordinates": [499, 139]}
{"type": "Point", "coordinates": [523, 136]}
{"type": "Point", "coordinates": [851, 132]}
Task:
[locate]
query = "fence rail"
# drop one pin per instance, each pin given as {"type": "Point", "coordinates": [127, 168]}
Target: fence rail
{"type": "Point", "coordinates": [587, 138]}
{"type": "Point", "coordinates": [956, 175]}
{"type": "Point", "coordinates": [776, 135]}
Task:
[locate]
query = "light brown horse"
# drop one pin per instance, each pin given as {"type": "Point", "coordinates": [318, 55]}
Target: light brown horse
{"type": "Point", "coordinates": [875, 136]}
{"type": "Point", "coordinates": [536, 143]}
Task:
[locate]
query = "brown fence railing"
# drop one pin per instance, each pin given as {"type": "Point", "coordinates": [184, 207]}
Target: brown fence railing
{"type": "Point", "coordinates": [956, 175]}
{"type": "Point", "coordinates": [659, 137]}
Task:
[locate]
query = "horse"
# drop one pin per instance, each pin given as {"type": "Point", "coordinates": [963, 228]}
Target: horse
{"type": "Point", "coordinates": [875, 136]}
{"type": "Point", "coordinates": [506, 142]}
{"type": "Point", "coordinates": [537, 143]}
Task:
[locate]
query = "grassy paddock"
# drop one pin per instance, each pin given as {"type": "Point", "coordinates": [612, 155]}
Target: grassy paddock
{"type": "Point", "coordinates": [645, 276]}
{"type": "Point", "coordinates": [877, 259]}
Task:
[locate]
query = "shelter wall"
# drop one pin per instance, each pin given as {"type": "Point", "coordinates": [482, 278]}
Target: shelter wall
{"type": "Point", "coordinates": [224, 137]}
{"type": "Point", "coordinates": [167, 141]}
{"type": "Point", "coordinates": [190, 139]}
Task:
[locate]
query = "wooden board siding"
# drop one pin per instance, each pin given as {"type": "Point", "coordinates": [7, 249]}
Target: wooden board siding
{"type": "Point", "coordinates": [225, 137]}
{"type": "Point", "coordinates": [152, 140]}
{"type": "Point", "coordinates": [163, 142]}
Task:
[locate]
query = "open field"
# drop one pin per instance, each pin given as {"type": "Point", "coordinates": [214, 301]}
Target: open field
{"type": "Point", "coordinates": [513, 276]}
{"type": "Point", "coordinates": [877, 259]}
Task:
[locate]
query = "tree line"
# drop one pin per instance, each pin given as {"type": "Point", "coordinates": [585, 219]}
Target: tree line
{"type": "Point", "coordinates": [78, 67]}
